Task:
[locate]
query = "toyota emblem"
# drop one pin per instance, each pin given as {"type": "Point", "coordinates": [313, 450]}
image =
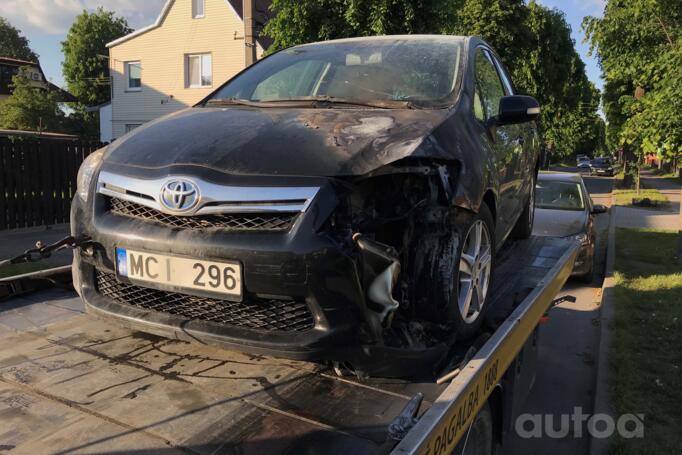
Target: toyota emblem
{"type": "Point", "coordinates": [179, 195]}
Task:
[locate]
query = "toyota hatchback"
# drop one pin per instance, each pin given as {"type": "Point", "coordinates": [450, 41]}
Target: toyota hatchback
{"type": "Point", "coordinates": [341, 200]}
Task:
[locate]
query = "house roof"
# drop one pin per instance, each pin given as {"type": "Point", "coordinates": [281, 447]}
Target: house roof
{"type": "Point", "coordinates": [16, 61]}
{"type": "Point", "coordinates": [97, 107]}
{"type": "Point", "coordinates": [262, 14]}
{"type": "Point", "coordinates": [64, 96]}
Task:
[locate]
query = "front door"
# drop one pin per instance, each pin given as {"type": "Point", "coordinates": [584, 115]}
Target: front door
{"type": "Point", "coordinates": [505, 141]}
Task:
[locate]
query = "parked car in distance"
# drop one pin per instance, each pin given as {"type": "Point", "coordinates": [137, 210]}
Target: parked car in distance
{"type": "Point", "coordinates": [331, 200]}
{"type": "Point", "coordinates": [583, 162]}
{"type": "Point", "coordinates": [563, 208]}
{"type": "Point", "coordinates": [601, 166]}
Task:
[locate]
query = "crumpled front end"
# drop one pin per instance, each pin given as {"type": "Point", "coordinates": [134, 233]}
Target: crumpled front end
{"type": "Point", "coordinates": [324, 262]}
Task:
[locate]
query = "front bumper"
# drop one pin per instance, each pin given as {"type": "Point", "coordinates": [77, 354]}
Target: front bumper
{"type": "Point", "coordinates": [303, 266]}
{"type": "Point", "coordinates": [606, 172]}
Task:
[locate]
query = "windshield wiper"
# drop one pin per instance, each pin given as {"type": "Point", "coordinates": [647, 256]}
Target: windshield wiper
{"type": "Point", "coordinates": [233, 102]}
{"type": "Point", "coordinates": [313, 101]}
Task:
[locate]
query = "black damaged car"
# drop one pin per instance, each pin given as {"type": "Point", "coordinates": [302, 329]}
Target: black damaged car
{"type": "Point", "coordinates": [341, 200]}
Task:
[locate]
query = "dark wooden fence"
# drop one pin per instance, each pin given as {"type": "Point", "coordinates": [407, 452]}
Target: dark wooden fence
{"type": "Point", "coordinates": [38, 180]}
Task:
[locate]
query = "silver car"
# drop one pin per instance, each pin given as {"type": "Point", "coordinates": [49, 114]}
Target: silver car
{"type": "Point", "coordinates": [563, 208]}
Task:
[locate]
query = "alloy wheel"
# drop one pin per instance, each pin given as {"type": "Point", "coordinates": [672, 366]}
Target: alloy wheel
{"type": "Point", "coordinates": [474, 271]}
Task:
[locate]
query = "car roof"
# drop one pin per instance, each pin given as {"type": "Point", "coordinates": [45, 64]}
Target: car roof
{"type": "Point", "coordinates": [559, 176]}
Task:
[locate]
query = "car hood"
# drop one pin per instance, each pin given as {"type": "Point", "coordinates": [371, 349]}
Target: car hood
{"type": "Point", "coordinates": [299, 141]}
{"type": "Point", "coordinates": [559, 223]}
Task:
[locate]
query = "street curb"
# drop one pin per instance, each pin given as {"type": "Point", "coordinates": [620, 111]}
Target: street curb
{"type": "Point", "coordinates": [602, 399]}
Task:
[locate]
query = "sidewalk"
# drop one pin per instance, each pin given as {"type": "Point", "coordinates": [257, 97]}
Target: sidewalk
{"type": "Point", "coordinates": [668, 218]}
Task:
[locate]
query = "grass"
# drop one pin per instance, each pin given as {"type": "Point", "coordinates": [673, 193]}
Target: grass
{"type": "Point", "coordinates": [646, 354]}
{"type": "Point", "coordinates": [624, 196]}
{"type": "Point", "coordinates": [26, 267]}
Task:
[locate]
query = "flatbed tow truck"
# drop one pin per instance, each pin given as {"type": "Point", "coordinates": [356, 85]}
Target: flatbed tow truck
{"type": "Point", "coordinates": [70, 383]}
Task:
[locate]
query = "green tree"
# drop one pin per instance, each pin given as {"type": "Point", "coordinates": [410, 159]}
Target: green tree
{"type": "Point", "coordinates": [638, 43]}
{"type": "Point", "coordinates": [13, 44]}
{"type": "Point", "coordinates": [302, 21]}
{"type": "Point", "coordinates": [534, 42]}
{"type": "Point", "coordinates": [30, 108]}
{"type": "Point", "coordinates": [86, 66]}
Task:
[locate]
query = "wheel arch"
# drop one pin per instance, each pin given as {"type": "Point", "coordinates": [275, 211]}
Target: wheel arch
{"type": "Point", "coordinates": [490, 200]}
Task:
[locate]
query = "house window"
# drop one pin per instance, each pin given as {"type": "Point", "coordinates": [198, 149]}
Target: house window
{"type": "Point", "coordinates": [131, 126]}
{"type": "Point", "coordinates": [134, 76]}
{"type": "Point", "coordinates": [199, 70]}
{"type": "Point", "coordinates": [197, 8]}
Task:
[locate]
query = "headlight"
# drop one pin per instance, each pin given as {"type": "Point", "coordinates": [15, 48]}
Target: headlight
{"type": "Point", "coordinates": [582, 238]}
{"type": "Point", "coordinates": [86, 171]}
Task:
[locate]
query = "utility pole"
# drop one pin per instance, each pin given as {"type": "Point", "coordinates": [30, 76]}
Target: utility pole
{"type": "Point", "coordinates": [248, 8]}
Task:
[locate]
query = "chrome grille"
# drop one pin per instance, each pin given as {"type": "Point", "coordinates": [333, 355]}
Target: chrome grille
{"type": "Point", "coordinates": [261, 314]}
{"type": "Point", "coordinates": [231, 222]}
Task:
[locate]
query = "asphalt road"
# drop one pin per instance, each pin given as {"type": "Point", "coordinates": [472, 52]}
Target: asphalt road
{"type": "Point", "coordinates": [568, 347]}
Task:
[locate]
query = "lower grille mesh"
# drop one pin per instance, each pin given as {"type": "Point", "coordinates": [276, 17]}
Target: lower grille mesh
{"type": "Point", "coordinates": [230, 222]}
{"type": "Point", "coordinates": [262, 314]}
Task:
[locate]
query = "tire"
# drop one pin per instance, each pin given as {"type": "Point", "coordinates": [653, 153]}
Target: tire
{"type": "Point", "coordinates": [436, 260]}
{"type": "Point", "coordinates": [524, 225]}
{"type": "Point", "coordinates": [588, 277]}
{"type": "Point", "coordinates": [479, 439]}
{"type": "Point", "coordinates": [468, 317]}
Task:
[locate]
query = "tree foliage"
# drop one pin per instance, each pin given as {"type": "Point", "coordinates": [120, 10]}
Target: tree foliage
{"type": "Point", "coordinates": [305, 21]}
{"type": "Point", "coordinates": [86, 64]}
{"type": "Point", "coordinates": [30, 108]}
{"type": "Point", "coordinates": [13, 44]}
{"type": "Point", "coordinates": [86, 67]}
{"type": "Point", "coordinates": [533, 42]}
{"type": "Point", "coordinates": [639, 46]}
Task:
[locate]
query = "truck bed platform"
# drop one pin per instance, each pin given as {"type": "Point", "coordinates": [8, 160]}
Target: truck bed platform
{"type": "Point", "coordinates": [71, 383]}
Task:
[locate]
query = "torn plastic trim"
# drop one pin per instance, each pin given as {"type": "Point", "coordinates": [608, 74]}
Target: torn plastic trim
{"type": "Point", "coordinates": [381, 267]}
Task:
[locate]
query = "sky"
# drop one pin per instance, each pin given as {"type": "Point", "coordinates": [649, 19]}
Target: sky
{"type": "Point", "coordinates": [45, 23]}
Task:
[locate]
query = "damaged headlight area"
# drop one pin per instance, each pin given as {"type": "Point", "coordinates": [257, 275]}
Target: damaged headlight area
{"type": "Point", "coordinates": [582, 238]}
{"type": "Point", "coordinates": [86, 172]}
{"type": "Point", "coordinates": [391, 221]}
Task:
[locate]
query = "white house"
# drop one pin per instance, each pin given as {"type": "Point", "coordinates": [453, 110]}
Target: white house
{"type": "Point", "coordinates": [192, 48]}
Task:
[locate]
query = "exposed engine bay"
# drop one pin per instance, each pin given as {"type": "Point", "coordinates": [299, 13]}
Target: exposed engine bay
{"type": "Point", "coordinates": [398, 219]}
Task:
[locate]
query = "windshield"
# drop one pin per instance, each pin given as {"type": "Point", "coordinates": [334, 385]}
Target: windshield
{"type": "Point", "coordinates": [423, 71]}
{"type": "Point", "coordinates": [559, 195]}
{"type": "Point", "coordinates": [601, 162]}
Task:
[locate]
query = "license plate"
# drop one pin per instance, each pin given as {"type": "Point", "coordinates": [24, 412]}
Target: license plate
{"type": "Point", "coordinates": [180, 273]}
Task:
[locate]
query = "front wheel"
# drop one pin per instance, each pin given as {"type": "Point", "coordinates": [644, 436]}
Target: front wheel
{"type": "Point", "coordinates": [452, 272]}
{"type": "Point", "coordinates": [473, 274]}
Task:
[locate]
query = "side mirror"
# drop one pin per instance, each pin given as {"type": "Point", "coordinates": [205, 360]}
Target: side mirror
{"type": "Point", "coordinates": [517, 109]}
{"type": "Point", "coordinates": [599, 208]}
